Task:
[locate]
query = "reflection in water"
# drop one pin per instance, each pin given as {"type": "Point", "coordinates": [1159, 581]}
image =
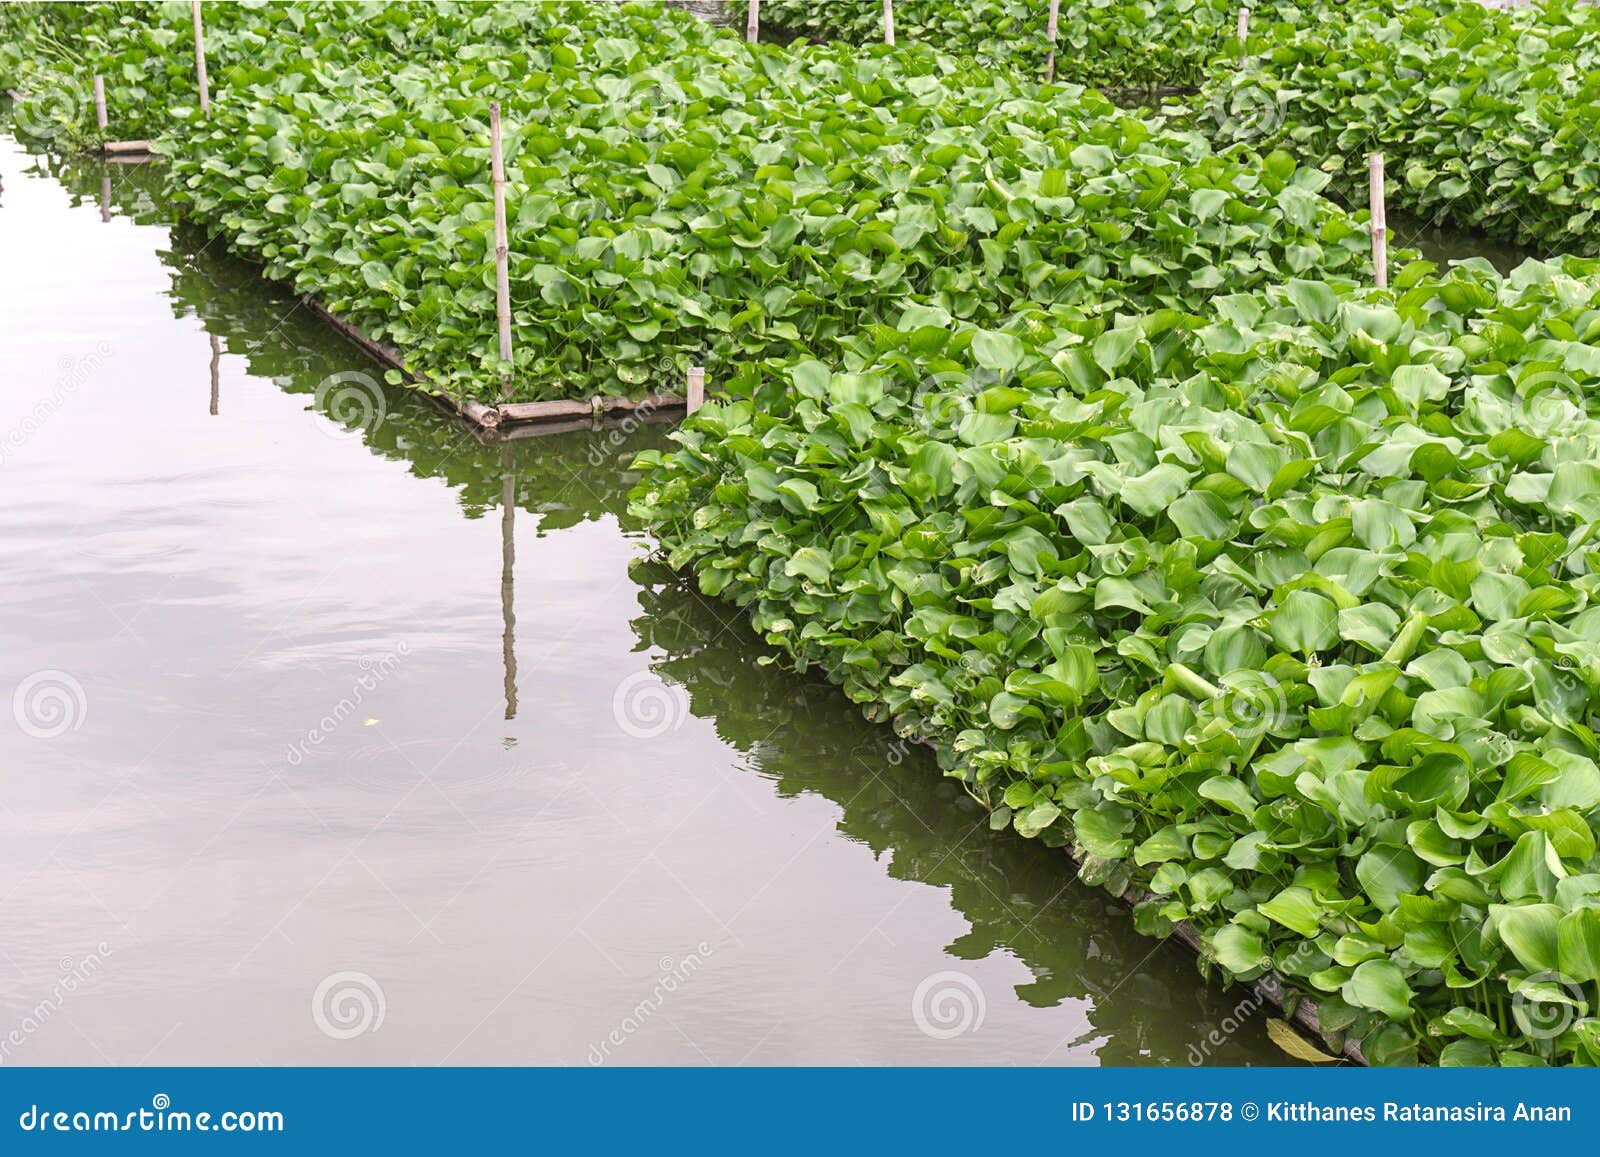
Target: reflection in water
{"type": "Point", "coordinates": [216, 363]}
{"type": "Point", "coordinates": [508, 566]}
{"type": "Point", "coordinates": [1141, 1000]}
{"type": "Point", "coordinates": [1143, 997]}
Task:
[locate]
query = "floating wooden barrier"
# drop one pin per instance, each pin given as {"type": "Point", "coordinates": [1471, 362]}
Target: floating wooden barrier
{"type": "Point", "coordinates": [497, 418]}
{"type": "Point", "coordinates": [126, 148]}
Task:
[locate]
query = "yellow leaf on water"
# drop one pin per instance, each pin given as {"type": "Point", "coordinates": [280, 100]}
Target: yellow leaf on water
{"type": "Point", "coordinates": [1286, 1038]}
{"type": "Point", "coordinates": [370, 722]}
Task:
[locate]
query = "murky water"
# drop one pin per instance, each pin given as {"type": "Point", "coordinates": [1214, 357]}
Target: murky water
{"type": "Point", "coordinates": [316, 750]}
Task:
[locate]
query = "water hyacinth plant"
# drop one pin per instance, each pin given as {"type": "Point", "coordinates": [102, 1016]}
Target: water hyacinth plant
{"type": "Point", "coordinates": [1280, 615]}
{"type": "Point", "coordinates": [677, 196]}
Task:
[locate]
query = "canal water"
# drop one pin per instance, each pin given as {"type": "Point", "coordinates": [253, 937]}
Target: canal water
{"type": "Point", "coordinates": [332, 735]}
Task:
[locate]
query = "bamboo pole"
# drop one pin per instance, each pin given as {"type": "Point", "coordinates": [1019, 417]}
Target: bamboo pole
{"type": "Point", "coordinates": [200, 62]}
{"type": "Point", "coordinates": [127, 147]}
{"type": "Point", "coordinates": [1051, 27]}
{"type": "Point", "coordinates": [752, 23]}
{"type": "Point", "coordinates": [695, 394]}
{"type": "Point", "coordinates": [105, 198]}
{"type": "Point", "coordinates": [100, 102]}
{"type": "Point", "coordinates": [1380, 223]}
{"type": "Point", "coordinates": [1244, 25]}
{"type": "Point", "coordinates": [502, 252]}
{"type": "Point", "coordinates": [888, 22]}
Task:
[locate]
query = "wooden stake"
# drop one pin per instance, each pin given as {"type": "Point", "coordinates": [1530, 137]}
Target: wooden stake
{"type": "Point", "coordinates": [695, 395]}
{"type": "Point", "coordinates": [1380, 224]}
{"type": "Point", "coordinates": [888, 22]}
{"type": "Point", "coordinates": [200, 62]}
{"type": "Point", "coordinates": [1050, 29]}
{"type": "Point", "coordinates": [100, 102]}
{"type": "Point", "coordinates": [752, 24]}
{"type": "Point", "coordinates": [105, 198]}
{"type": "Point", "coordinates": [502, 252]}
{"type": "Point", "coordinates": [1244, 25]}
